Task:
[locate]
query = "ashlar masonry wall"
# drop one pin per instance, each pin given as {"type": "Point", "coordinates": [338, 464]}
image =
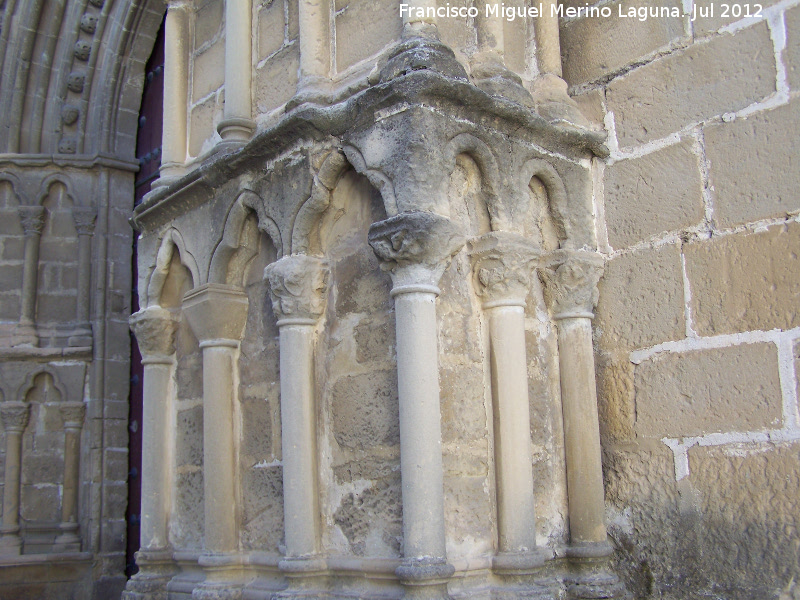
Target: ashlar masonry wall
{"type": "Point", "coordinates": [697, 326]}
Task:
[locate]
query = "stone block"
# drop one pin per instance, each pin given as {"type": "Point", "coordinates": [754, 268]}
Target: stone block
{"type": "Point", "coordinates": [745, 282]}
{"type": "Point", "coordinates": [294, 18]}
{"type": "Point", "coordinates": [262, 508]}
{"type": "Point", "coordinates": [113, 534]}
{"type": "Point", "coordinates": [207, 21]}
{"type": "Point", "coordinates": [115, 500]}
{"type": "Point", "coordinates": [13, 247]}
{"type": "Point", "coordinates": [462, 402]}
{"type": "Point", "coordinates": [189, 437]}
{"type": "Point", "coordinates": [43, 468]}
{"type": "Point", "coordinates": [209, 70]}
{"type": "Point", "coordinates": [656, 193]}
{"type": "Point", "coordinates": [257, 438]}
{"type": "Point", "coordinates": [365, 410]}
{"type": "Point", "coordinates": [116, 433]}
{"type": "Point", "coordinates": [188, 525]}
{"type": "Point", "coordinates": [641, 299]}
{"type": "Point", "coordinates": [371, 520]}
{"type": "Point", "coordinates": [11, 276]}
{"type": "Point", "coordinates": [591, 105]}
{"type": "Point", "coordinates": [467, 506]}
{"type": "Point", "coordinates": [456, 33]}
{"type": "Point", "coordinates": [40, 502]}
{"type": "Point", "coordinates": [375, 339]}
{"type": "Point", "coordinates": [203, 123]}
{"type": "Point", "coordinates": [116, 465]}
{"type": "Point", "coordinates": [615, 396]}
{"type": "Point", "coordinates": [791, 55]}
{"type": "Point", "coordinates": [725, 74]}
{"type": "Point", "coordinates": [361, 285]}
{"type": "Point", "coordinates": [593, 47]}
{"type": "Point", "coordinates": [748, 496]}
{"type": "Point", "coordinates": [754, 166]}
{"type": "Point", "coordinates": [276, 81]}
{"type": "Point", "coordinates": [57, 250]}
{"type": "Point", "coordinates": [364, 28]}
{"type": "Point", "coordinates": [271, 28]}
{"type": "Point", "coordinates": [368, 467]}
{"type": "Point", "coordinates": [56, 308]}
{"type": "Point", "coordinates": [708, 391]}
{"type": "Point", "coordinates": [711, 19]}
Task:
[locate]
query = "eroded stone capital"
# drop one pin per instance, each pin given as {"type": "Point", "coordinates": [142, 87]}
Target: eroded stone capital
{"type": "Point", "coordinates": [502, 264]}
{"type": "Point", "coordinates": [298, 286]}
{"type": "Point", "coordinates": [32, 219]}
{"type": "Point", "coordinates": [84, 219]}
{"type": "Point", "coordinates": [154, 328]}
{"type": "Point", "coordinates": [570, 283]}
{"type": "Point", "coordinates": [72, 414]}
{"type": "Point", "coordinates": [415, 247]}
{"type": "Point", "coordinates": [216, 313]}
{"type": "Point", "coordinates": [15, 416]}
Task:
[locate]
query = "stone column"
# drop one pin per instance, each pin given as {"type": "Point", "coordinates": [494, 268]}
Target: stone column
{"type": "Point", "coordinates": [154, 328]}
{"type": "Point", "coordinates": [176, 77]}
{"type": "Point", "coordinates": [72, 414]}
{"type": "Point", "coordinates": [15, 418]}
{"type": "Point", "coordinates": [32, 218]}
{"type": "Point", "coordinates": [315, 52]}
{"type": "Point", "coordinates": [298, 287]}
{"type": "Point", "coordinates": [84, 219]}
{"type": "Point", "coordinates": [217, 314]}
{"type": "Point", "coordinates": [502, 266]}
{"type": "Point", "coordinates": [237, 125]}
{"type": "Point", "coordinates": [571, 292]}
{"type": "Point", "coordinates": [416, 248]}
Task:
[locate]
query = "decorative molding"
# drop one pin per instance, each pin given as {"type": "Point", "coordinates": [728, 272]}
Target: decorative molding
{"type": "Point", "coordinates": [570, 283]}
{"type": "Point", "coordinates": [298, 286]}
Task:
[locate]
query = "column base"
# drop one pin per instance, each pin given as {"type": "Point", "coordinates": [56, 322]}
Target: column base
{"type": "Point", "coordinates": [307, 577]}
{"type": "Point", "coordinates": [425, 579]}
{"type": "Point", "coordinates": [422, 53]}
{"type": "Point", "coordinates": [69, 541]}
{"type": "Point", "coordinates": [552, 102]}
{"type": "Point", "coordinates": [493, 77]}
{"type": "Point", "coordinates": [25, 334]}
{"type": "Point", "coordinates": [236, 131]}
{"type": "Point", "coordinates": [10, 543]}
{"type": "Point", "coordinates": [520, 563]}
{"type": "Point", "coordinates": [223, 577]}
{"type": "Point", "coordinates": [156, 569]}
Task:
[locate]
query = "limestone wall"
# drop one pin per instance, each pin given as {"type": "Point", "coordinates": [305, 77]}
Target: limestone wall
{"type": "Point", "coordinates": [697, 326]}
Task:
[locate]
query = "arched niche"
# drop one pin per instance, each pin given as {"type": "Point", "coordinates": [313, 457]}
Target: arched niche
{"type": "Point", "coordinates": [175, 273]}
{"type": "Point", "coordinates": [545, 213]}
{"type": "Point", "coordinates": [467, 197]}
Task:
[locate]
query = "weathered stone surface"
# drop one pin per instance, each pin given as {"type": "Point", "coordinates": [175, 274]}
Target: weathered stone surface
{"type": "Point", "coordinates": [204, 118]}
{"type": "Point", "coordinates": [189, 437]}
{"type": "Point", "coordinates": [372, 421]}
{"type": "Point", "coordinates": [594, 47]}
{"type": "Point", "coordinates": [615, 396]}
{"type": "Point", "coordinates": [758, 273]}
{"type": "Point", "coordinates": [725, 74]}
{"type": "Point", "coordinates": [659, 192]}
{"type": "Point", "coordinates": [207, 21]}
{"type": "Point", "coordinates": [276, 81]}
{"type": "Point", "coordinates": [262, 508]}
{"type": "Point", "coordinates": [710, 19]}
{"type": "Point", "coordinates": [371, 519]}
{"type": "Point", "coordinates": [211, 63]}
{"type": "Point", "coordinates": [591, 105]}
{"type": "Point", "coordinates": [753, 166]}
{"type": "Point", "coordinates": [375, 339]}
{"type": "Point", "coordinates": [791, 55]}
{"type": "Point", "coordinates": [641, 299]}
{"type": "Point", "coordinates": [362, 287]}
{"type": "Point", "coordinates": [271, 28]}
{"type": "Point", "coordinates": [355, 41]}
{"type": "Point", "coordinates": [708, 391]}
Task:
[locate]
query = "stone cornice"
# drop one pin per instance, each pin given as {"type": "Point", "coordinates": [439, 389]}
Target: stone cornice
{"type": "Point", "coordinates": [298, 287]}
{"type": "Point", "coordinates": [502, 265]}
{"type": "Point", "coordinates": [570, 283]}
{"type": "Point", "coordinates": [420, 89]}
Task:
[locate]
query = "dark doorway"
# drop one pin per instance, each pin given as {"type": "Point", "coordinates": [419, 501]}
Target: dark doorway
{"type": "Point", "coordinates": [148, 153]}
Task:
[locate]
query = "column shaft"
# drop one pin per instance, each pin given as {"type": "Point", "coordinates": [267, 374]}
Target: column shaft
{"type": "Point", "coordinates": [32, 218]}
{"type": "Point", "coordinates": [72, 450]}
{"type": "Point", "coordinates": [15, 419]}
{"type": "Point", "coordinates": [548, 45]}
{"type": "Point", "coordinates": [84, 219]}
{"type": "Point", "coordinates": [490, 31]}
{"type": "Point", "coordinates": [420, 425]}
{"type": "Point", "coordinates": [176, 67]}
{"type": "Point", "coordinates": [237, 124]}
{"type": "Point", "coordinates": [516, 512]}
{"type": "Point", "coordinates": [581, 431]}
{"type": "Point", "coordinates": [219, 469]}
{"type": "Point", "coordinates": [156, 454]}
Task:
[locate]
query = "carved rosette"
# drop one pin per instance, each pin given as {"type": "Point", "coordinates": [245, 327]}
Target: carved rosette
{"type": "Point", "coordinates": [298, 287]}
{"type": "Point", "coordinates": [15, 416]}
{"type": "Point", "coordinates": [154, 328]}
{"type": "Point", "coordinates": [32, 219]}
{"type": "Point", "coordinates": [570, 284]}
{"type": "Point", "coordinates": [415, 247]}
{"type": "Point", "coordinates": [502, 265]}
{"type": "Point", "coordinates": [72, 414]}
{"type": "Point", "coordinates": [84, 219]}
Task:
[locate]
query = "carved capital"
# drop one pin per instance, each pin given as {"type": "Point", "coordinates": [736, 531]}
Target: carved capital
{"type": "Point", "coordinates": [570, 283]}
{"type": "Point", "coordinates": [502, 264]}
{"type": "Point", "coordinates": [415, 247]}
{"type": "Point", "coordinates": [216, 313]}
{"type": "Point", "coordinates": [32, 219]}
{"type": "Point", "coordinates": [154, 328]}
{"type": "Point", "coordinates": [84, 218]}
{"type": "Point", "coordinates": [15, 416]}
{"type": "Point", "coordinates": [72, 414]}
{"type": "Point", "coordinates": [298, 286]}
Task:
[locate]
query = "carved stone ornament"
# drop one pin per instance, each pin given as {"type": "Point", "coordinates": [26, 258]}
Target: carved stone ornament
{"type": "Point", "coordinates": [70, 114]}
{"type": "Point", "coordinates": [84, 219]}
{"type": "Point", "coordinates": [75, 82]}
{"type": "Point", "coordinates": [72, 414]}
{"type": "Point", "coordinates": [298, 286]}
{"type": "Point", "coordinates": [32, 219]}
{"type": "Point", "coordinates": [415, 247]}
{"type": "Point", "coordinates": [89, 23]}
{"type": "Point", "coordinates": [154, 328]}
{"type": "Point", "coordinates": [570, 283]}
{"type": "Point", "coordinates": [502, 265]}
{"type": "Point", "coordinates": [82, 50]}
{"type": "Point", "coordinates": [15, 415]}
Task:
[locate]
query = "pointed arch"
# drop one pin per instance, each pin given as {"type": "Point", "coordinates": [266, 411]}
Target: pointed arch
{"type": "Point", "coordinates": [30, 383]}
{"type": "Point", "coordinates": [557, 201]}
{"type": "Point", "coordinates": [172, 239]}
{"type": "Point", "coordinates": [49, 181]}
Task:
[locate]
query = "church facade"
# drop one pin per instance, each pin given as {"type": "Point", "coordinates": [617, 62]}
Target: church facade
{"type": "Point", "coordinates": [433, 300]}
